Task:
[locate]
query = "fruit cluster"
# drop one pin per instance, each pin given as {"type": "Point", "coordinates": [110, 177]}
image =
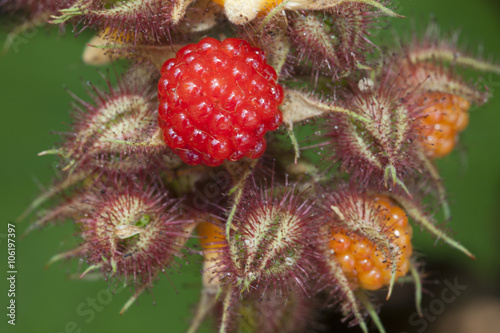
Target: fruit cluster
{"type": "Point", "coordinates": [280, 241]}
{"type": "Point", "coordinates": [217, 100]}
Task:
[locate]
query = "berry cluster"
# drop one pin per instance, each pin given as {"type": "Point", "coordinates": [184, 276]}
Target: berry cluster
{"type": "Point", "coordinates": [282, 242]}
{"type": "Point", "coordinates": [217, 100]}
{"type": "Point", "coordinates": [442, 121]}
{"type": "Point", "coordinates": [363, 262]}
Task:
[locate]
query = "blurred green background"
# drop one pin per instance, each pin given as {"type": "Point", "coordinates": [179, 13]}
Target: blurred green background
{"type": "Point", "coordinates": [34, 104]}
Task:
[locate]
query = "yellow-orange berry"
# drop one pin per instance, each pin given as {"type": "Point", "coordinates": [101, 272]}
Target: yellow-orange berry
{"type": "Point", "coordinates": [442, 121]}
{"type": "Point", "coordinates": [211, 238]}
{"type": "Point", "coordinates": [212, 241]}
{"type": "Point", "coordinates": [362, 261]}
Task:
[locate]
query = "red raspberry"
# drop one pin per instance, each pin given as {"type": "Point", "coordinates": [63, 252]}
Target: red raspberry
{"type": "Point", "coordinates": [217, 100]}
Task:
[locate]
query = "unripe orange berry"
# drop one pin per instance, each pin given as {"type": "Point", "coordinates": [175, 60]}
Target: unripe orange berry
{"type": "Point", "coordinates": [212, 239]}
{"type": "Point", "coordinates": [212, 242]}
{"type": "Point", "coordinates": [442, 121]}
{"type": "Point", "coordinates": [210, 235]}
{"type": "Point", "coordinates": [362, 261]}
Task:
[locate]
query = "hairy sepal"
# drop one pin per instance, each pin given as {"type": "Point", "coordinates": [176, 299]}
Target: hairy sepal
{"type": "Point", "coordinates": [269, 240]}
{"type": "Point", "coordinates": [140, 20]}
{"type": "Point", "coordinates": [426, 221]}
{"type": "Point", "coordinates": [434, 46]}
{"type": "Point", "coordinates": [244, 11]}
{"type": "Point", "coordinates": [333, 42]}
{"type": "Point", "coordinates": [382, 148]}
{"type": "Point", "coordinates": [298, 106]}
{"type": "Point", "coordinates": [331, 4]}
{"type": "Point", "coordinates": [69, 208]}
{"type": "Point", "coordinates": [345, 294]}
{"type": "Point", "coordinates": [67, 183]}
{"type": "Point", "coordinates": [134, 230]}
{"type": "Point", "coordinates": [118, 131]}
{"type": "Point", "coordinates": [427, 77]}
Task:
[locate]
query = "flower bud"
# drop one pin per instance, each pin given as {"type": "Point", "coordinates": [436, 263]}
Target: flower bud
{"type": "Point", "coordinates": [119, 131]}
{"type": "Point", "coordinates": [269, 241]}
{"type": "Point", "coordinates": [146, 21]}
{"type": "Point", "coordinates": [380, 143]}
{"type": "Point", "coordinates": [133, 229]}
{"type": "Point", "coordinates": [335, 41]}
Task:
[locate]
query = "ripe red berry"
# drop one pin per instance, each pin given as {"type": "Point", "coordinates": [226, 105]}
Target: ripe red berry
{"type": "Point", "coordinates": [217, 101]}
